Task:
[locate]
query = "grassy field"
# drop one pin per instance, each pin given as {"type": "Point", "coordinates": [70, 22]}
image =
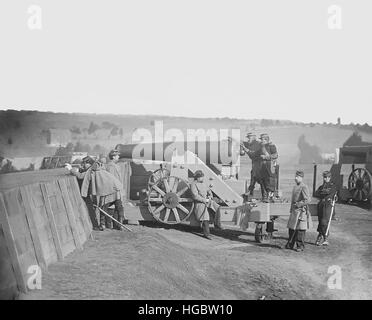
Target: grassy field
{"type": "Point", "coordinates": [20, 132]}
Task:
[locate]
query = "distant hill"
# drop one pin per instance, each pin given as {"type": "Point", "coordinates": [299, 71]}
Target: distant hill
{"type": "Point", "coordinates": [21, 132]}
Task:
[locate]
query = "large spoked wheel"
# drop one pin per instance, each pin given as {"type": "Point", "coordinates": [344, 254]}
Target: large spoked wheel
{"type": "Point", "coordinates": [157, 175]}
{"type": "Point", "coordinates": [260, 235]}
{"type": "Point", "coordinates": [359, 184]}
{"type": "Point", "coordinates": [168, 201]}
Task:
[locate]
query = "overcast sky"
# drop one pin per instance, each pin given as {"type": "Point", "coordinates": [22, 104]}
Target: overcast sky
{"type": "Point", "coordinates": [207, 58]}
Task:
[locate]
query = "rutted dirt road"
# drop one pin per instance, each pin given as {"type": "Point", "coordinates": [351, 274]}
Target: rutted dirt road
{"type": "Point", "coordinates": [176, 263]}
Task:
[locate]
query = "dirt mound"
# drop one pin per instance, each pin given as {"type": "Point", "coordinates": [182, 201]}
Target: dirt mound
{"type": "Point", "coordinates": [154, 262]}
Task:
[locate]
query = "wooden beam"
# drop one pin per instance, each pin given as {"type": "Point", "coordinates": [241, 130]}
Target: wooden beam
{"type": "Point", "coordinates": [52, 221]}
{"type": "Point", "coordinates": [10, 243]}
{"type": "Point", "coordinates": [26, 203]}
{"type": "Point", "coordinates": [70, 213]}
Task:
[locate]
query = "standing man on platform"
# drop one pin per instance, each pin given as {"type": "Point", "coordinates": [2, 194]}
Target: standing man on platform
{"type": "Point", "coordinates": [268, 155]}
{"type": "Point", "coordinates": [326, 193]}
{"type": "Point", "coordinates": [252, 148]}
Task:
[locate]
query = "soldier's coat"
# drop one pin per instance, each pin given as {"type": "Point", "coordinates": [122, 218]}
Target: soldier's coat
{"type": "Point", "coordinates": [300, 217]}
{"type": "Point", "coordinates": [98, 182]}
{"type": "Point", "coordinates": [114, 169]}
{"type": "Point", "coordinates": [200, 193]}
{"type": "Point", "coordinates": [326, 193]}
{"type": "Point", "coordinates": [254, 154]}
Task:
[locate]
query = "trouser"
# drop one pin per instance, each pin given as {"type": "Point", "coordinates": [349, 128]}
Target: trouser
{"type": "Point", "coordinates": [205, 227]}
{"type": "Point", "coordinates": [270, 226]}
{"type": "Point", "coordinates": [92, 213]}
{"type": "Point", "coordinates": [214, 211]}
{"type": "Point", "coordinates": [252, 182]}
{"type": "Point", "coordinates": [296, 237]}
{"type": "Point", "coordinates": [324, 214]}
{"type": "Point", "coordinates": [118, 214]}
{"type": "Point", "coordinates": [267, 180]}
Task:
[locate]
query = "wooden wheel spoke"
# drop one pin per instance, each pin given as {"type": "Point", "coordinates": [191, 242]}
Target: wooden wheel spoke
{"type": "Point", "coordinates": [158, 190]}
{"type": "Point", "coordinates": [166, 184]}
{"type": "Point", "coordinates": [175, 185]}
{"type": "Point", "coordinates": [181, 207]}
{"type": "Point", "coordinates": [166, 217]}
{"type": "Point", "coordinates": [359, 170]}
{"type": "Point", "coordinates": [155, 199]}
{"type": "Point", "coordinates": [176, 216]}
{"type": "Point", "coordinates": [159, 209]}
{"type": "Point", "coordinates": [182, 191]}
{"type": "Point", "coordinates": [185, 200]}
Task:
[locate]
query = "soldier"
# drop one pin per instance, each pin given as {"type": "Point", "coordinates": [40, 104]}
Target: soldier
{"type": "Point", "coordinates": [252, 148]}
{"type": "Point", "coordinates": [97, 182]}
{"type": "Point", "coordinates": [203, 201]}
{"type": "Point", "coordinates": [326, 192]}
{"type": "Point", "coordinates": [268, 155]}
{"type": "Point", "coordinates": [86, 163]}
{"type": "Point", "coordinates": [115, 170]}
{"type": "Point", "coordinates": [300, 218]}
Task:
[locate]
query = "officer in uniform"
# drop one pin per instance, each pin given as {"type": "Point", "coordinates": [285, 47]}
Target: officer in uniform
{"type": "Point", "coordinates": [203, 202]}
{"type": "Point", "coordinates": [326, 193]}
{"type": "Point", "coordinates": [268, 155]}
{"type": "Point", "coordinates": [115, 170]}
{"type": "Point", "coordinates": [300, 218]}
{"type": "Point", "coordinates": [252, 148]}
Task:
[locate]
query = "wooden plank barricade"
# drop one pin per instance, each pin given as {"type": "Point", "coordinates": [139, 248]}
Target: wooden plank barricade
{"type": "Point", "coordinates": [41, 221]}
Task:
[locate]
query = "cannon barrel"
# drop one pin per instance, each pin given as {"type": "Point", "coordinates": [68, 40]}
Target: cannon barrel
{"type": "Point", "coordinates": [216, 152]}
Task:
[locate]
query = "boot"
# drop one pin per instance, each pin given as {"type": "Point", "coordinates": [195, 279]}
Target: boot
{"type": "Point", "coordinates": [319, 240]}
{"type": "Point", "coordinates": [121, 220]}
{"type": "Point", "coordinates": [300, 249]}
{"type": "Point", "coordinates": [217, 220]}
{"type": "Point", "coordinates": [109, 224]}
{"type": "Point", "coordinates": [288, 246]}
{"type": "Point", "coordinates": [325, 242]}
{"type": "Point", "coordinates": [206, 230]}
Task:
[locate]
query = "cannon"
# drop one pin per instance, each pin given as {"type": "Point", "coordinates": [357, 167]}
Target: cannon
{"type": "Point", "coordinates": [167, 187]}
{"type": "Point", "coordinates": [210, 152]}
{"type": "Point", "coordinates": [358, 188]}
{"type": "Point", "coordinates": [163, 174]}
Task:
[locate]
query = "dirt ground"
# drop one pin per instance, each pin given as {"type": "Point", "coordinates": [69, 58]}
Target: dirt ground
{"type": "Point", "coordinates": [154, 262]}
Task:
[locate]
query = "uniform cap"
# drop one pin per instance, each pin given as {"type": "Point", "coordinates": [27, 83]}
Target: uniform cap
{"type": "Point", "coordinates": [113, 153]}
{"type": "Point", "coordinates": [88, 159]}
{"type": "Point", "coordinates": [264, 136]}
{"type": "Point", "coordinates": [198, 173]}
{"type": "Point", "coordinates": [327, 174]}
{"type": "Point", "coordinates": [250, 134]}
{"type": "Point", "coordinates": [300, 173]}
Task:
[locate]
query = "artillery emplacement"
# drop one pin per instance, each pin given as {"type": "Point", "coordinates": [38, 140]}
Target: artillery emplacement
{"type": "Point", "coordinates": [163, 189]}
